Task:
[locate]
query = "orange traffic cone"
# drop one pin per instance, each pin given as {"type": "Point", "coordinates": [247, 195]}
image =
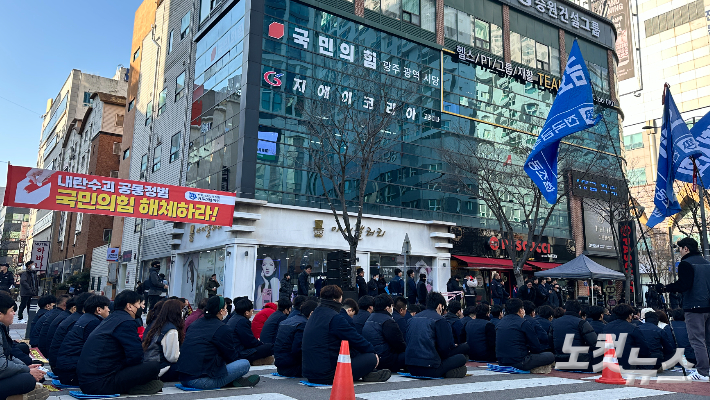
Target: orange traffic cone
{"type": "Point", "coordinates": [343, 388]}
{"type": "Point", "coordinates": [611, 373]}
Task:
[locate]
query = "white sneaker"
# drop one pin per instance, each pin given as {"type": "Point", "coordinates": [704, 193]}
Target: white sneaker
{"type": "Point", "coordinates": [697, 377]}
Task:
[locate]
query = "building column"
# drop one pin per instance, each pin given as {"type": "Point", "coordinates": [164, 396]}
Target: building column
{"type": "Point", "coordinates": [440, 22]}
{"type": "Point", "coordinates": [360, 8]}
{"type": "Point", "coordinates": [240, 271]}
{"type": "Point", "coordinates": [506, 33]}
{"type": "Point", "coordinates": [563, 51]}
{"type": "Point", "coordinates": [441, 272]}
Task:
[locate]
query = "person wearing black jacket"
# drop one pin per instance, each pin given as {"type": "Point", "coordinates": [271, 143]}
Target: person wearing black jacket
{"type": "Point", "coordinates": [543, 316]}
{"type": "Point", "coordinates": [7, 279]}
{"type": "Point", "coordinates": [422, 290]}
{"type": "Point", "coordinates": [431, 350]}
{"type": "Point", "coordinates": [271, 326]}
{"type": "Point", "coordinates": [111, 360]}
{"type": "Point", "coordinates": [212, 286]}
{"type": "Point", "coordinates": [362, 288]}
{"type": "Point", "coordinates": [29, 286]}
{"type": "Point", "coordinates": [372, 285]}
{"type": "Point", "coordinates": [65, 327]}
{"type": "Point", "coordinates": [517, 343]}
{"type": "Point", "coordinates": [694, 283]}
{"type": "Point", "coordinates": [365, 305]}
{"type": "Point", "coordinates": [541, 295]}
{"type": "Point", "coordinates": [286, 289]}
{"type": "Point", "coordinates": [245, 342]}
{"type": "Point", "coordinates": [46, 320]}
{"type": "Point", "coordinates": [572, 324]}
{"type": "Point", "coordinates": [498, 293]}
{"type": "Point", "coordinates": [95, 311]}
{"type": "Point", "coordinates": [454, 285]}
{"type": "Point", "coordinates": [496, 314]}
{"type": "Point", "coordinates": [298, 301]}
{"type": "Point", "coordinates": [659, 344]}
{"type": "Point", "coordinates": [480, 334]}
{"type": "Point", "coordinates": [155, 284]}
{"type": "Point", "coordinates": [396, 285]}
{"type": "Point", "coordinates": [322, 337]}
{"type": "Point", "coordinates": [208, 358]}
{"type": "Point", "coordinates": [622, 324]}
{"type": "Point", "coordinates": [528, 292]}
{"type": "Point", "coordinates": [541, 333]}
{"type": "Point", "coordinates": [595, 319]}
{"type": "Point", "coordinates": [400, 314]}
{"type": "Point", "coordinates": [384, 334]}
{"type": "Point", "coordinates": [303, 280]}
{"type": "Point", "coordinates": [288, 353]}
{"type": "Point", "coordinates": [48, 329]}
{"type": "Point", "coordinates": [453, 317]}
{"type": "Point", "coordinates": [411, 287]}
{"type": "Point", "coordinates": [46, 304]}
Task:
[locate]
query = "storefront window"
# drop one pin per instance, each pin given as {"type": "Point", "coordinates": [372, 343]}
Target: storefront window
{"type": "Point", "coordinates": [197, 270]}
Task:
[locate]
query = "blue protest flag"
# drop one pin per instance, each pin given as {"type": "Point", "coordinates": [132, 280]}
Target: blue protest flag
{"type": "Point", "coordinates": [571, 112]}
{"type": "Point", "coordinates": [677, 144]}
{"type": "Point", "coordinates": [701, 134]}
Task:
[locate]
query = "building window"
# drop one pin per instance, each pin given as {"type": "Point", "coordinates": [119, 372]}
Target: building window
{"type": "Point", "coordinates": [116, 148]}
{"type": "Point", "coordinates": [150, 224]}
{"type": "Point", "coordinates": [170, 41]}
{"type": "Point", "coordinates": [469, 30]}
{"type": "Point", "coordinates": [127, 153]}
{"type": "Point", "coordinates": [144, 165]}
{"type": "Point", "coordinates": [119, 120]}
{"type": "Point", "coordinates": [137, 54]}
{"type": "Point", "coordinates": [157, 155]}
{"type": "Point", "coordinates": [161, 101]}
{"type": "Point", "coordinates": [185, 26]}
{"type": "Point", "coordinates": [113, 174]}
{"type": "Point", "coordinates": [174, 147]}
{"type": "Point", "coordinates": [636, 177]}
{"type": "Point", "coordinates": [528, 52]}
{"type": "Point", "coordinates": [180, 86]}
{"type": "Point", "coordinates": [138, 225]}
{"type": "Point", "coordinates": [417, 12]}
{"type": "Point", "coordinates": [434, 205]}
{"type": "Point", "coordinates": [131, 104]}
{"type": "Point", "coordinates": [107, 235]}
{"type": "Point", "coordinates": [149, 113]}
{"type": "Point", "coordinates": [87, 98]}
{"type": "Point", "coordinates": [632, 142]}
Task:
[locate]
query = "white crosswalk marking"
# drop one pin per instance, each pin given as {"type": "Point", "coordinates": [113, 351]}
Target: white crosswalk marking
{"type": "Point", "coordinates": [465, 388]}
{"type": "Point", "coordinates": [607, 394]}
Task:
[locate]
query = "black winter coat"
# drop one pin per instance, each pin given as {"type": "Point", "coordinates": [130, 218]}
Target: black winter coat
{"type": "Point", "coordinates": [303, 284]}
{"type": "Point", "coordinates": [271, 327]}
{"type": "Point", "coordinates": [422, 292]}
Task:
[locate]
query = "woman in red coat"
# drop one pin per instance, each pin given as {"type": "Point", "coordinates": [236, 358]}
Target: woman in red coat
{"type": "Point", "coordinates": [260, 318]}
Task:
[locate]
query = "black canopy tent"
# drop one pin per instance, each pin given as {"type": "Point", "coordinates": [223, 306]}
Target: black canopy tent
{"type": "Point", "coordinates": [581, 268]}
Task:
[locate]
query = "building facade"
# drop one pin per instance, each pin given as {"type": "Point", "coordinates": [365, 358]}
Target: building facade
{"type": "Point", "coordinates": [14, 223]}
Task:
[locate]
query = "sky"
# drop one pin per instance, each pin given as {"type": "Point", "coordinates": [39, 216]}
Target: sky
{"type": "Point", "coordinates": [44, 40]}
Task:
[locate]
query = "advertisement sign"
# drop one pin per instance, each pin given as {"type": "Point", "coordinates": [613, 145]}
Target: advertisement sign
{"type": "Point", "coordinates": [40, 255]}
{"type": "Point", "coordinates": [65, 191]}
{"type": "Point", "coordinates": [112, 254]}
{"type": "Point", "coordinates": [618, 12]}
{"type": "Point", "coordinates": [598, 237]}
{"type": "Point", "coordinates": [627, 246]}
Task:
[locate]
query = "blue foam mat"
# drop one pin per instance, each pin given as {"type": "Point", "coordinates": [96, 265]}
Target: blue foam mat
{"type": "Point", "coordinates": [52, 376]}
{"type": "Point", "coordinates": [282, 376]}
{"type": "Point", "coordinates": [59, 385]}
{"type": "Point", "coordinates": [78, 394]}
{"type": "Point", "coordinates": [306, 383]}
{"type": "Point", "coordinates": [408, 375]}
{"type": "Point", "coordinates": [507, 370]}
{"type": "Point", "coordinates": [189, 389]}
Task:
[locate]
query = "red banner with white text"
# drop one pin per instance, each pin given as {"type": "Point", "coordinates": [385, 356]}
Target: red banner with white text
{"type": "Point", "coordinates": [65, 191]}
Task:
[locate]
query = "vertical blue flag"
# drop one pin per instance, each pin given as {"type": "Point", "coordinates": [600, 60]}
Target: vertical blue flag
{"type": "Point", "coordinates": [677, 145]}
{"type": "Point", "coordinates": [571, 112]}
{"type": "Point", "coordinates": [701, 134]}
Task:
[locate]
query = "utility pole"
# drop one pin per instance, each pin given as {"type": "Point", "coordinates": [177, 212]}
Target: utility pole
{"type": "Point", "coordinates": [406, 250]}
{"type": "Point", "coordinates": [670, 242]}
{"type": "Point", "coordinates": [703, 223]}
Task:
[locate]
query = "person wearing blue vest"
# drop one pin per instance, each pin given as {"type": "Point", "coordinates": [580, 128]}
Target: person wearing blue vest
{"type": "Point", "coordinates": [453, 317]}
{"type": "Point", "coordinates": [634, 338]}
{"type": "Point", "coordinates": [480, 334]}
{"type": "Point", "coordinates": [583, 335]}
{"type": "Point", "coordinates": [63, 310]}
{"type": "Point", "coordinates": [595, 317]}
{"type": "Point", "coordinates": [271, 326]}
{"type": "Point", "coordinates": [496, 314]}
{"type": "Point", "coordinates": [350, 309]}
{"type": "Point", "coordinates": [384, 334]}
{"type": "Point", "coordinates": [296, 306]}
{"type": "Point", "coordinates": [288, 353]}
{"type": "Point", "coordinates": [396, 285]}
{"type": "Point", "coordinates": [431, 350]}
{"type": "Point", "coordinates": [365, 305]}
{"type": "Point", "coordinates": [162, 341]}
{"type": "Point", "coordinates": [95, 311]}
{"type": "Point", "coordinates": [529, 307]}
{"type": "Point", "coordinates": [65, 327]}
{"type": "Point", "coordinates": [411, 287]}
{"type": "Point", "coordinates": [659, 344]}
{"type": "Point", "coordinates": [45, 304]}
{"type": "Point", "coordinates": [248, 346]}
{"type": "Point", "coordinates": [208, 357]}
{"type": "Point", "coordinates": [517, 343]}
{"type": "Point", "coordinates": [694, 284]}
{"type": "Point", "coordinates": [543, 316]}
{"type": "Point", "coordinates": [322, 336]}
{"type": "Point", "coordinates": [111, 361]}
{"type": "Point", "coordinates": [400, 314]}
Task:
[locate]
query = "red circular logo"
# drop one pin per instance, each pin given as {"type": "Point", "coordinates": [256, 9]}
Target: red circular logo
{"type": "Point", "coordinates": [272, 78]}
{"type": "Point", "coordinates": [494, 243]}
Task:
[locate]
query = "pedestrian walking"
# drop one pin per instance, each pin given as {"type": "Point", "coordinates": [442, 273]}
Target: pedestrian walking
{"type": "Point", "coordinates": [29, 287]}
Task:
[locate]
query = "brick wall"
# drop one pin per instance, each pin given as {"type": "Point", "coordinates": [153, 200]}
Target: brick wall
{"type": "Point", "coordinates": [506, 33]}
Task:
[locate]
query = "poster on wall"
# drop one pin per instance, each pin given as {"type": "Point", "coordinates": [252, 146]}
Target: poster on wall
{"type": "Point", "coordinates": [44, 189]}
{"type": "Point", "coordinates": [197, 270]}
{"type": "Point", "coordinates": [40, 255]}
{"type": "Point", "coordinates": [618, 12]}
{"type": "Point", "coordinates": [268, 282]}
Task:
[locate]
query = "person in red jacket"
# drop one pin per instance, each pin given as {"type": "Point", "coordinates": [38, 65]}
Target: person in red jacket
{"type": "Point", "coordinates": [260, 318]}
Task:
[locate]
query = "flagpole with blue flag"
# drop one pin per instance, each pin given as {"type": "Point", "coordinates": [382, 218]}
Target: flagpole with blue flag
{"type": "Point", "coordinates": [676, 148]}
{"type": "Point", "coordinates": [571, 112]}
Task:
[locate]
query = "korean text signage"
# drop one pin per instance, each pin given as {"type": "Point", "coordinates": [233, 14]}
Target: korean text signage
{"type": "Point", "coordinates": [40, 254]}
{"type": "Point", "coordinates": [618, 12]}
{"type": "Point", "coordinates": [627, 246]}
{"type": "Point", "coordinates": [65, 191]}
{"type": "Point", "coordinates": [520, 245]}
{"type": "Point", "coordinates": [112, 254]}
{"type": "Point", "coordinates": [598, 237]}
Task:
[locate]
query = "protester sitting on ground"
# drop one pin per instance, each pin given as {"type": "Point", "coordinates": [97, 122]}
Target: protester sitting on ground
{"type": "Point", "coordinates": [46, 335]}
{"type": "Point", "coordinates": [365, 305]}
{"type": "Point", "coordinates": [271, 326]}
{"type": "Point", "coordinates": [431, 350]}
{"type": "Point", "coordinates": [261, 317]}
{"type": "Point", "coordinates": [248, 346]}
{"type": "Point", "coordinates": [542, 334]}
{"type": "Point", "coordinates": [95, 311]}
{"type": "Point", "coordinates": [197, 314]}
{"type": "Point", "coordinates": [659, 344]}
{"type": "Point", "coordinates": [622, 324]}
{"type": "Point", "coordinates": [517, 343]}
{"type": "Point", "coordinates": [298, 301]}
{"type": "Point", "coordinates": [153, 312]}
{"type": "Point", "coordinates": [111, 361]}
{"type": "Point", "coordinates": [384, 334]}
{"type": "Point", "coordinates": [681, 334]}
{"type": "Point", "coordinates": [325, 330]}
{"type": "Point", "coordinates": [543, 316]}
{"type": "Point", "coordinates": [453, 317]}
{"type": "Point", "coordinates": [400, 313]}
{"type": "Point", "coordinates": [162, 341]}
{"type": "Point", "coordinates": [288, 353]}
{"type": "Point", "coordinates": [208, 358]}
{"type": "Point", "coordinates": [595, 317]}
{"type": "Point", "coordinates": [412, 310]}
{"type": "Point", "coordinates": [496, 314]}
{"type": "Point", "coordinates": [559, 312]}
{"type": "Point", "coordinates": [583, 335]}
{"type": "Point", "coordinates": [480, 334]}
{"type": "Point", "coordinates": [46, 305]}
{"type": "Point", "coordinates": [469, 313]}
{"type": "Point", "coordinates": [65, 327]}
{"type": "Point", "coordinates": [230, 305]}
{"type": "Point", "coordinates": [664, 324]}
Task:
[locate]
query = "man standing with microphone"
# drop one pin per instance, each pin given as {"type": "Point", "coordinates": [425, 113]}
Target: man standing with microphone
{"type": "Point", "coordinates": [694, 284]}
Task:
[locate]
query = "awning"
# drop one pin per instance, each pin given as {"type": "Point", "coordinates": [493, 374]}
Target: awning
{"type": "Point", "coordinates": [543, 265]}
{"type": "Point", "coordinates": [488, 263]}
